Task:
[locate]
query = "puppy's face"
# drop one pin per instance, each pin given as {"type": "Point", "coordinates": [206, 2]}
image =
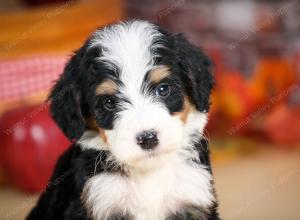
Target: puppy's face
{"type": "Point", "coordinates": [144, 92]}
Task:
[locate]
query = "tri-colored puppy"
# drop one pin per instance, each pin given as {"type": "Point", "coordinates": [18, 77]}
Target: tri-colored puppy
{"type": "Point", "coordinates": [134, 100]}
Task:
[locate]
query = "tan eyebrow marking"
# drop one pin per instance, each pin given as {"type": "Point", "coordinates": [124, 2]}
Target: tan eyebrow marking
{"type": "Point", "coordinates": [159, 73]}
{"type": "Point", "coordinates": [106, 87]}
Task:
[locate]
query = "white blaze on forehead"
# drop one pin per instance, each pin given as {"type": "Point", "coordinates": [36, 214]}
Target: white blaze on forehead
{"type": "Point", "coordinates": [129, 46]}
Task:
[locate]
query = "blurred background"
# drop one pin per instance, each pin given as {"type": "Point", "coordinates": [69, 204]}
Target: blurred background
{"type": "Point", "coordinates": [254, 126]}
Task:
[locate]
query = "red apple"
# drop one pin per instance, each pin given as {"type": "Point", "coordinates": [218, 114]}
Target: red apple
{"type": "Point", "coordinates": [30, 145]}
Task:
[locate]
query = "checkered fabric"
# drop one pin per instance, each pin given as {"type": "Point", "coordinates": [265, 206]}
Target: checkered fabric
{"type": "Point", "coordinates": [25, 77]}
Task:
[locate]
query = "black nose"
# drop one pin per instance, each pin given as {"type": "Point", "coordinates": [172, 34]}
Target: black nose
{"type": "Point", "coordinates": [147, 139]}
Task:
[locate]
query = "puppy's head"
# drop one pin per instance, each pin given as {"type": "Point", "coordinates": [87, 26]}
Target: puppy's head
{"type": "Point", "coordinates": [143, 91]}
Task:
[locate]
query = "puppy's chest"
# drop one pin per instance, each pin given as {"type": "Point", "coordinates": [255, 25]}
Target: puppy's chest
{"type": "Point", "coordinates": [150, 196]}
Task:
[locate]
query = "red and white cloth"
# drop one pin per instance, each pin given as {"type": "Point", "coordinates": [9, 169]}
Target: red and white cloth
{"type": "Point", "coordinates": [20, 78]}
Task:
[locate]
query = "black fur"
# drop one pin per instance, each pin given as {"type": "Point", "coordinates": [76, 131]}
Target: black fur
{"type": "Point", "coordinates": [61, 201]}
{"type": "Point", "coordinates": [192, 67]}
{"type": "Point", "coordinates": [66, 100]}
{"type": "Point", "coordinates": [190, 212]}
{"type": "Point", "coordinates": [73, 103]}
{"type": "Point", "coordinates": [175, 100]}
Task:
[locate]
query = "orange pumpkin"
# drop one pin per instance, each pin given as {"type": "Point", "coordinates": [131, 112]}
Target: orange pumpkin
{"type": "Point", "coordinates": [272, 76]}
{"type": "Point", "coordinates": [233, 96]}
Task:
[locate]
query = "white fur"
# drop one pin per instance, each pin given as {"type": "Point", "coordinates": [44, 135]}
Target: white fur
{"type": "Point", "coordinates": [144, 117]}
{"type": "Point", "coordinates": [194, 125]}
{"type": "Point", "coordinates": [92, 140]}
{"type": "Point", "coordinates": [158, 191]}
{"type": "Point", "coordinates": [130, 46]}
{"type": "Point", "coordinates": [149, 195]}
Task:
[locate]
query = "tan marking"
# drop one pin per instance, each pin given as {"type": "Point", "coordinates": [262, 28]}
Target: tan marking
{"type": "Point", "coordinates": [183, 115]}
{"type": "Point", "coordinates": [91, 123]}
{"type": "Point", "coordinates": [102, 135]}
{"type": "Point", "coordinates": [107, 87]}
{"type": "Point", "coordinates": [159, 73]}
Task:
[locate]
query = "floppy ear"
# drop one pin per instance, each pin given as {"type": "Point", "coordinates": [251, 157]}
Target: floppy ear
{"type": "Point", "coordinates": [195, 71]}
{"type": "Point", "coordinates": [65, 101]}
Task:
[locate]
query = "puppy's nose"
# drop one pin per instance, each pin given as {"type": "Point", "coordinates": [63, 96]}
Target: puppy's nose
{"type": "Point", "coordinates": [147, 139]}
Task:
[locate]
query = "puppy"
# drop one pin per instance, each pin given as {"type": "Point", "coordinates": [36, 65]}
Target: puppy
{"type": "Point", "coordinates": [134, 101]}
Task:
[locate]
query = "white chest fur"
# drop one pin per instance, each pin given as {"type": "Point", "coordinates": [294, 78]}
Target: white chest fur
{"type": "Point", "coordinates": [151, 195]}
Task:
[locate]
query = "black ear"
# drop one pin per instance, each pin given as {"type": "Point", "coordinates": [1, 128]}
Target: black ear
{"type": "Point", "coordinates": [65, 101]}
{"type": "Point", "coordinates": [196, 72]}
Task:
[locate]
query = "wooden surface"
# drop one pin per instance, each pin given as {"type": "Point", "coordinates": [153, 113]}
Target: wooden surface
{"type": "Point", "coordinates": [263, 186]}
{"type": "Point", "coordinates": [56, 29]}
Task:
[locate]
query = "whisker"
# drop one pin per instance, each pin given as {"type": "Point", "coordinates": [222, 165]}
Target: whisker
{"type": "Point", "coordinates": [97, 162]}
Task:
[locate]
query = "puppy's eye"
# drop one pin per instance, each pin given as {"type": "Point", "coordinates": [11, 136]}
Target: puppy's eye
{"type": "Point", "coordinates": [163, 90]}
{"type": "Point", "coordinates": [110, 103]}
